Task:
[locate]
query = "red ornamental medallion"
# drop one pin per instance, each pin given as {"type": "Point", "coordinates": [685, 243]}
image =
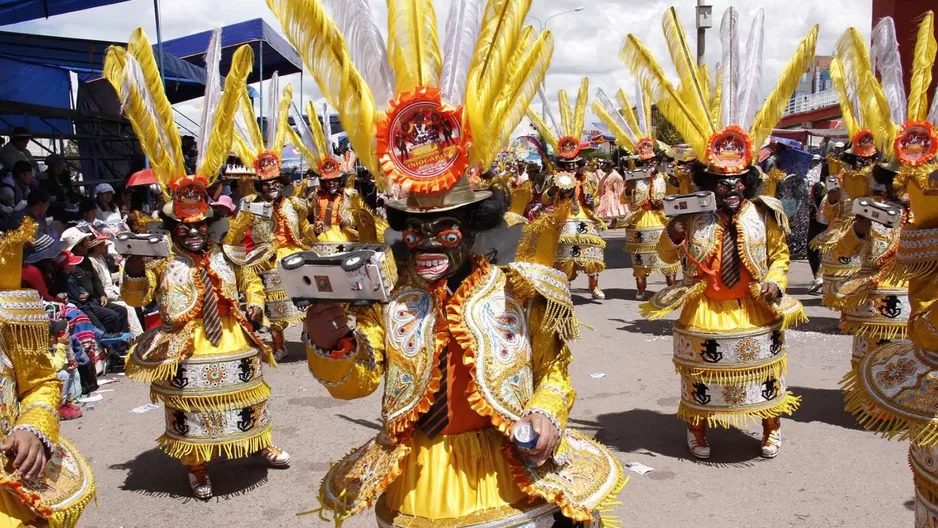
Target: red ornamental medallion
{"type": "Point", "coordinates": [916, 143]}
{"type": "Point", "coordinates": [189, 199]}
{"type": "Point", "coordinates": [329, 168]}
{"type": "Point", "coordinates": [569, 147]}
{"type": "Point", "coordinates": [267, 165]}
{"type": "Point", "coordinates": [645, 148]}
{"type": "Point", "coordinates": [864, 144]}
{"type": "Point", "coordinates": [730, 150]}
{"type": "Point", "coordinates": [421, 142]}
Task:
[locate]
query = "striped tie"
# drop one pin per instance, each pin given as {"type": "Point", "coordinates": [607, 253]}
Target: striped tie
{"type": "Point", "coordinates": [328, 220]}
{"type": "Point", "coordinates": [729, 266]}
{"type": "Point", "coordinates": [210, 319]}
{"type": "Point", "coordinates": [437, 418]}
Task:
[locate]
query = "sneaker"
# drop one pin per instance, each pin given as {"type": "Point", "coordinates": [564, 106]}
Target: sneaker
{"type": "Point", "coordinates": [70, 411]}
{"type": "Point", "coordinates": [640, 295]}
{"type": "Point", "coordinates": [771, 437]}
{"type": "Point", "coordinates": [598, 293]}
{"type": "Point", "coordinates": [697, 443]}
{"type": "Point", "coordinates": [275, 457]}
{"type": "Point", "coordinates": [816, 285]}
{"type": "Point", "coordinates": [199, 482]}
{"type": "Point", "coordinates": [279, 354]}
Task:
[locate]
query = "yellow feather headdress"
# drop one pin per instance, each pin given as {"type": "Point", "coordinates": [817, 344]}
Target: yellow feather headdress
{"type": "Point", "coordinates": [724, 125]}
{"type": "Point", "coordinates": [134, 74]}
{"type": "Point", "coordinates": [631, 132]}
{"type": "Point", "coordinates": [425, 108]}
{"type": "Point", "coordinates": [566, 142]}
{"type": "Point", "coordinates": [259, 150]}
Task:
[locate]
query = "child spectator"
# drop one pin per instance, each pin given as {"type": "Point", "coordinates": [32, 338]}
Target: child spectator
{"type": "Point", "coordinates": [66, 367]}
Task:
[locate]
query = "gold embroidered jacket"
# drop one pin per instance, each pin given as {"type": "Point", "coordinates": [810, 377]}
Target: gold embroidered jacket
{"type": "Point", "coordinates": [292, 212]}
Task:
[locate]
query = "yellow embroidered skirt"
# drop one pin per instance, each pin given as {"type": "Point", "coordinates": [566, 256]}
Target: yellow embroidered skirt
{"type": "Point", "coordinates": [215, 399]}
{"type": "Point", "coordinates": [642, 232]}
{"type": "Point", "coordinates": [336, 234]}
{"type": "Point", "coordinates": [581, 246]}
{"type": "Point", "coordinates": [279, 308]}
{"type": "Point", "coordinates": [732, 361]}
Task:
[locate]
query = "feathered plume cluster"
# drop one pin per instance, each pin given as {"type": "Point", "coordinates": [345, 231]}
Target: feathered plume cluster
{"type": "Point", "coordinates": [572, 118]}
{"type": "Point", "coordinates": [627, 126]}
{"type": "Point", "coordinates": [249, 141]}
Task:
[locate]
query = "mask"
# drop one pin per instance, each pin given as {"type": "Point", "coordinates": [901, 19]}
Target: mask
{"type": "Point", "coordinates": [272, 190]}
{"type": "Point", "coordinates": [331, 186]}
{"type": "Point", "coordinates": [729, 194]}
{"type": "Point", "coordinates": [438, 246]}
{"type": "Point", "coordinates": [192, 237]}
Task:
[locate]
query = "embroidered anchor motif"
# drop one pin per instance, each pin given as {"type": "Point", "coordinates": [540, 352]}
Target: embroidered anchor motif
{"type": "Point", "coordinates": [700, 393]}
{"type": "Point", "coordinates": [770, 390]}
{"type": "Point", "coordinates": [710, 354]}
{"type": "Point", "coordinates": [639, 259]}
{"type": "Point", "coordinates": [844, 260]}
{"type": "Point", "coordinates": [776, 345]}
{"type": "Point", "coordinates": [179, 380]}
{"type": "Point", "coordinates": [581, 228]}
{"type": "Point", "coordinates": [575, 251]}
{"type": "Point", "coordinates": [639, 236]}
{"type": "Point", "coordinates": [247, 421]}
{"type": "Point", "coordinates": [891, 307]}
{"type": "Point", "coordinates": [246, 369]}
{"type": "Point", "coordinates": [179, 423]}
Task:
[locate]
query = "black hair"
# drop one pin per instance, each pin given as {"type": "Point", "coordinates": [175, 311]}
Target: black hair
{"type": "Point", "coordinates": [707, 181]}
{"type": "Point", "coordinates": [480, 216]}
{"type": "Point", "coordinates": [37, 196]}
{"type": "Point", "coordinates": [283, 178]}
{"type": "Point", "coordinates": [86, 205]}
{"type": "Point", "coordinates": [138, 199]}
{"type": "Point", "coordinates": [825, 170]}
{"type": "Point", "coordinates": [21, 167]}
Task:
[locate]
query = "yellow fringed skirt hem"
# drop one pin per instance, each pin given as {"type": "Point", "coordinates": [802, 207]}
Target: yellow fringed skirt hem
{"type": "Point", "coordinates": [201, 452]}
{"type": "Point", "coordinates": [873, 417]}
{"type": "Point", "coordinates": [726, 376]}
{"type": "Point", "coordinates": [202, 403]}
{"type": "Point", "coordinates": [729, 418]}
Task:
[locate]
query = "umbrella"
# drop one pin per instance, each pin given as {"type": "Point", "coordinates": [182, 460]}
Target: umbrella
{"type": "Point", "coordinates": [141, 178]}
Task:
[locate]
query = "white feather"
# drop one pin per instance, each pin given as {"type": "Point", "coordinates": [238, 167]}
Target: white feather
{"type": "Point", "coordinates": [613, 112]}
{"type": "Point", "coordinates": [729, 39]}
{"type": "Point", "coordinates": [213, 90]}
{"type": "Point", "coordinates": [367, 47]}
{"type": "Point", "coordinates": [135, 80]}
{"type": "Point", "coordinates": [241, 128]}
{"type": "Point", "coordinates": [643, 126]}
{"type": "Point", "coordinates": [272, 116]}
{"type": "Point", "coordinates": [306, 135]}
{"type": "Point", "coordinates": [547, 110]}
{"type": "Point", "coordinates": [462, 31]}
{"type": "Point", "coordinates": [750, 77]}
{"type": "Point", "coordinates": [886, 61]}
{"type": "Point", "coordinates": [327, 129]}
{"type": "Point", "coordinates": [933, 115]}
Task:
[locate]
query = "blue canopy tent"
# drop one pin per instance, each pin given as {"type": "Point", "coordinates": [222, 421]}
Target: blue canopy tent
{"type": "Point", "coordinates": [15, 11]}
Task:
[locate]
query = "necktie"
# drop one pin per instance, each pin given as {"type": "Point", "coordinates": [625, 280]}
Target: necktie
{"type": "Point", "coordinates": [729, 265]}
{"type": "Point", "coordinates": [210, 319]}
{"type": "Point", "coordinates": [437, 418]}
{"type": "Point", "coordinates": [329, 208]}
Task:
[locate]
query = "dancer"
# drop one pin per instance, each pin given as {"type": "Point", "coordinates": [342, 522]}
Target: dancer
{"type": "Point", "coordinates": [45, 480]}
{"type": "Point", "coordinates": [281, 227]}
{"type": "Point", "coordinates": [582, 247]}
{"type": "Point", "coordinates": [463, 363]}
{"type": "Point", "coordinates": [729, 340]}
{"type": "Point", "coordinates": [646, 222]}
{"type": "Point", "coordinates": [204, 362]}
{"type": "Point", "coordinates": [890, 390]}
{"type": "Point", "coordinates": [681, 179]}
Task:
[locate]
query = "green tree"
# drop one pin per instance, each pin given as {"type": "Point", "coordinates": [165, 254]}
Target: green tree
{"type": "Point", "coordinates": [664, 130]}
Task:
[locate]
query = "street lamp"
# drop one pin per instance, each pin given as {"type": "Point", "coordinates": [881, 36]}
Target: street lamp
{"type": "Point", "coordinates": [543, 26]}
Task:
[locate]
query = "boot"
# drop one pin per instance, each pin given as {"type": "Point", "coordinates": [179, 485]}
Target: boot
{"type": "Point", "coordinates": [199, 482]}
{"type": "Point", "coordinates": [594, 287]}
{"type": "Point", "coordinates": [275, 457]}
{"type": "Point", "coordinates": [697, 442]}
{"type": "Point", "coordinates": [280, 348]}
{"type": "Point", "coordinates": [641, 283]}
{"type": "Point", "coordinates": [670, 280]}
{"type": "Point", "coordinates": [771, 437]}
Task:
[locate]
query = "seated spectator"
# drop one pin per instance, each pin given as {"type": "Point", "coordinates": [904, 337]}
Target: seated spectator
{"type": "Point", "coordinates": [84, 287]}
{"type": "Point", "coordinates": [21, 181]}
{"type": "Point", "coordinates": [107, 211]}
{"type": "Point", "coordinates": [84, 346]}
{"type": "Point", "coordinates": [39, 270]}
{"type": "Point", "coordinates": [57, 181]}
{"type": "Point", "coordinates": [37, 205]}
{"type": "Point", "coordinates": [17, 150]}
{"type": "Point", "coordinates": [66, 368]}
{"type": "Point", "coordinates": [106, 270]}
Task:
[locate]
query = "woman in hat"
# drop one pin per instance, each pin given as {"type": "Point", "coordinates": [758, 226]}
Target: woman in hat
{"type": "Point", "coordinates": [108, 211]}
{"type": "Point", "coordinates": [204, 361]}
{"type": "Point", "coordinates": [272, 224]}
{"type": "Point", "coordinates": [45, 481]}
{"type": "Point", "coordinates": [729, 339]}
{"type": "Point", "coordinates": [468, 350]}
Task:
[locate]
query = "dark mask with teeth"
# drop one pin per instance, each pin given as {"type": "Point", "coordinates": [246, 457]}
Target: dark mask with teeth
{"type": "Point", "coordinates": [730, 193]}
{"type": "Point", "coordinates": [438, 243]}
{"type": "Point", "coordinates": [191, 237]}
{"type": "Point", "coordinates": [270, 190]}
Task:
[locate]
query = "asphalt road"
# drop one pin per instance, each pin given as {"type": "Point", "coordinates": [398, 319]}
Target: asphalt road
{"type": "Point", "coordinates": [829, 472]}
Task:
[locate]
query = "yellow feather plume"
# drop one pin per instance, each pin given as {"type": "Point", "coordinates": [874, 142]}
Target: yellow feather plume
{"type": "Point", "coordinates": [622, 139]}
{"type": "Point", "coordinates": [413, 44]}
{"type": "Point", "coordinates": [566, 114]}
{"type": "Point", "coordinates": [685, 63]}
{"type": "Point", "coordinates": [253, 128]}
{"type": "Point", "coordinates": [854, 55]}
{"type": "Point", "coordinates": [244, 151]}
{"type": "Point", "coordinates": [525, 42]}
{"type": "Point", "coordinates": [140, 48]}
{"type": "Point", "coordinates": [886, 131]}
{"type": "Point", "coordinates": [716, 100]}
{"type": "Point", "coordinates": [846, 107]}
{"type": "Point", "coordinates": [922, 62]}
{"type": "Point", "coordinates": [517, 95]}
{"type": "Point", "coordinates": [315, 127]}
{"type": "Point", "coordinates": [294, 139]}
{"type": "Point", "coordinates": [579, 114]}
{"type": "Point", "coordinates": [219, 143]}
{"type": "Point", "coordinates": [281, 136]}
{"type": "Point", "coordinates": [497, 43]}
{"type": "Point", "coordinates": [543, 130]}
{"type": "Point", "coordinates": [625, 106]}
{"type": "Point", "coordinates": [772, 108]}
{"type": "Point", "coordinates": [326, 57]}
{"type": "Point", "coordinates": [696, 132]}
{"type": "Point", "coordinates": [703, 73]}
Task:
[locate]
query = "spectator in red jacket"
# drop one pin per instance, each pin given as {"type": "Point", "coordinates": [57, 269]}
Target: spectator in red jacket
{"type": "Point", "coordinates": [39, 271]}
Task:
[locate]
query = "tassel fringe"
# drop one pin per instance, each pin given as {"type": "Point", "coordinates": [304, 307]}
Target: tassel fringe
{"type": "Point", "coordinates": [232, 449]}
{"type": "Point", "coordinates": [873, 417]}
{"type": "Point", "coordinates": [775, 369]}
{"type": "Point", "coordinates": [231, 400]}
{"type": "Point", "coordinates": [876, 330]}
{"type": "Point", "coordinates": [148, 374]}
{"type": "Point", "coordinates": [739, 419]}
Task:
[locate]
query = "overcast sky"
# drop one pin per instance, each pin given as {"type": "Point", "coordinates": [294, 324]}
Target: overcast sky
{"type": "Point", "coordinates": [586, 43]}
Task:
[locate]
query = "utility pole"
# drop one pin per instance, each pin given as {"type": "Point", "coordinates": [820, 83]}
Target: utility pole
{"type": "Point", "coordinates": [704, 22]}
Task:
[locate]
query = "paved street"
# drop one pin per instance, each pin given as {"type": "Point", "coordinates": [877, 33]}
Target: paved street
{"type": "Point", "coordinates": [829, 472]}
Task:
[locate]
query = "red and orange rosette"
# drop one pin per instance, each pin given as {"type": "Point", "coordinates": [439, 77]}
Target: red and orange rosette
{"type": "Point", "coordinates": [421, 143]}
{"type": "Point", "coordinates": [729, 151]}
{"type": "Point", "coordinates": [267, 165]}
{"type": "Point", "coordinates": [864, 144]}
{"type": "Point", "coordinates": [916, 144]}
{"type": "Point", "coordinates": [645, 148]}
{"type": "Point", "coordinates": [569, 147]}
{"type": "Point", "coordinates": [189, 198]}
{"type": "Point", "coordinates": [329, 168]}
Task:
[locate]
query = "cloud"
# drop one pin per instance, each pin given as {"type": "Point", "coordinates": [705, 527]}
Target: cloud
{"type": "Point", "coordinates": [586, 43]}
